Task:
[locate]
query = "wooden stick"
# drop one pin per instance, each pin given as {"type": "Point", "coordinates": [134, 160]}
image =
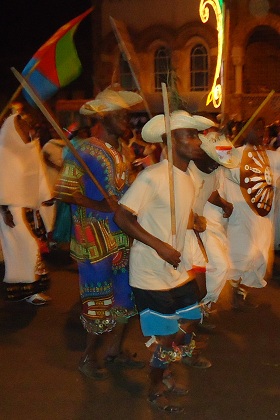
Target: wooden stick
{"type": "Point", "coordinates": [253, 118]}
{"type": "Point", "coordinates": [59, 131]}
{"type": "Point", "coordinates": [123, 48]}
{"type": "Point", "coordinates": [15, 95]}
{"type": "Point", "coordinates": [224, 74]}
{"type": "Point", "coordinates": [170, 163]}
{"type": "Point", "coordinates": [7, 107]}
{"type": "Point", "coordinates": [201, 245]}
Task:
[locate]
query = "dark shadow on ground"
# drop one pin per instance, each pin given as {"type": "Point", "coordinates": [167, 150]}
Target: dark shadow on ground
{"type": "Point", "coordinates": [74, 333]}
{"type": "Point", "coordinates": [15, 316]}
{"type": "Point", "coordinates": [59, 257]}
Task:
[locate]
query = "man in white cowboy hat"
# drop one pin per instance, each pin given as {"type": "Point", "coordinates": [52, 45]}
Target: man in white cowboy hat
{"type": "Point", "coordinates": [160, 275]}
{"type": "Point", "coordinates": [98, 245]}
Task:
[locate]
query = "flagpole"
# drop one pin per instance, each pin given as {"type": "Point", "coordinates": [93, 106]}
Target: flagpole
{"type": "Point", "coordinates": [59, 131]}
{"type": "Point", "coordinates": [252, 119]}
{"type": "Point", "coordinates": [15, 95]}
{"type": "Point", "coordinates": [7, 107]}
{"type": "Point", "coordinates": [123, 48]}
{"type": "Point", "coordinates": [225, 63]}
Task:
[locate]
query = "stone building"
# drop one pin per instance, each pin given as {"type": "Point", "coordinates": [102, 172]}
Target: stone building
{"type": "Point", "coordinates": [170, 39]}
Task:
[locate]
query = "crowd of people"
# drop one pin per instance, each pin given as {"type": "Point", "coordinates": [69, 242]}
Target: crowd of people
{"type": "Point", "coordinates": [150, 239]}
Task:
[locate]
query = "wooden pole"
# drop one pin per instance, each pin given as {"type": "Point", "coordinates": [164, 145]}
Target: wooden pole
{"type": "Point", "coordinates": [7, 107]}
{"type": "Point", "coordinates": [15, 95]}
{"type": "Point", "coordinates": [59, 131]}
{"type": "Point", "coordinates": [170, 163]}
{"type": "Point", "coordinates": [171, 174]}
{"type": "Point", "coordinates": [252, 119]}
{"type": "Point", "coordinates": [124, 49]}
{"type": "Point", "coordinates": [225, 64]}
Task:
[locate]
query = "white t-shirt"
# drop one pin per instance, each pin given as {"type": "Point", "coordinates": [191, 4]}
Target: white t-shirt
{"type": "Point", "coordinates": [149, 199]}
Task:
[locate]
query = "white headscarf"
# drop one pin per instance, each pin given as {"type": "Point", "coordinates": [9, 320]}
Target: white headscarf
{"type": "Point", "coordinates": [22, 178]}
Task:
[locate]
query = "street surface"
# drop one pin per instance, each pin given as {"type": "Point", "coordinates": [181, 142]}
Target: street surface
{"type": "Point", "coordinates": [41, 347]}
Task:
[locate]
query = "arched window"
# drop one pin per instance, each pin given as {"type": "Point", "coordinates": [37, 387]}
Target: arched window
{"type": "Point", "coordinates": [262, 60]}
{"type": "Point", "coordinates": [199, 68]}
{"type": "Point", "coordinates": [126, 78]}
{"type": "Point", "coordinates": [162, 66]}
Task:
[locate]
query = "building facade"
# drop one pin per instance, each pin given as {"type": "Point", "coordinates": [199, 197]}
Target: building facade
{"type": "Point", "coordinates": [171, 44]}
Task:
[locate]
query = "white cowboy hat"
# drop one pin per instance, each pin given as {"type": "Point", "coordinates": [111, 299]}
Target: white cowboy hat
{"type": "Point", "coordinates": [206, 121]}
{"type": "Point", "coordinates": [110, 100]}
{"type": "Point", "coordinates": [154, 129]}
{"type": "Point", "coordinates": [220, 149]}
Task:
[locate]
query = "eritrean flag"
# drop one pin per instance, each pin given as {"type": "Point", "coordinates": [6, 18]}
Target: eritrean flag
{"type": "Point", "coordinates": [56, 63]}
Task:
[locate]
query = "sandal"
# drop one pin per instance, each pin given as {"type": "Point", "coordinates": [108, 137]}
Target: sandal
{"type": "Point", "coordinates": [159, 401]}
{"type": "Point", "coordinates": [89, 369]}
{"type": "Point", "coordinates": [205, 325]}
{"type": "Point", "coordinates": [197, 362]}
{"type": "Point", "coordinates": [125, 361]}
{"type": "Point", "coordinates": [171, 386]}
{"type": "Point", "coordinates": [38, 299]}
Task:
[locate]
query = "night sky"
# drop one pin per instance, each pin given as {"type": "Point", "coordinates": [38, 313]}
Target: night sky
{"type": "Point", "coordinates": [27, 24]}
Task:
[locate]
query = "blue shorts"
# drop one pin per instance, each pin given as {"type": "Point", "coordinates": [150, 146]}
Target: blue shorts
{"type": "Point", "coordinates": [160, 310]}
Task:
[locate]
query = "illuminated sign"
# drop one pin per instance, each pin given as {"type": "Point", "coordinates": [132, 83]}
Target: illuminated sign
{"type": "Point", "coordinates": [215, 95]}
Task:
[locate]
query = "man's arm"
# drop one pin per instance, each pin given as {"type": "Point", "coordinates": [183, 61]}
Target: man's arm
{"type": "Point", "coordinates": [129, 224]}
{"type": "Point", "coordinates": [69, 189]}
{"type": "Point", "coordinates": [49, 162]}
{"type": "Point", "coordinates": [105, 205]}
{"type": "Point", "coordinates": [217, 200]}
{"type": "Point", "coordinates": [7, 216]}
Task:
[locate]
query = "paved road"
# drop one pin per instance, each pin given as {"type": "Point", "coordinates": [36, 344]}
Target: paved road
{"type": "Point", "coordinates": [40, 349]}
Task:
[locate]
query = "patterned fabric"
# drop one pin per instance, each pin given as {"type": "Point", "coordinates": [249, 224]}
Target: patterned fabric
{"type": "Point", "coordinates": [97, 244]}
{"type": "Point", "coordinates": [36, 223]}
{"type": "Point", "coordinates": [105, 292]}
{"type": "Point", "coordinates": [20, 291]}
{"type": "Point", "coordinates": [25, 272]}
{"type": "Point", "coordinates": [92, 236]}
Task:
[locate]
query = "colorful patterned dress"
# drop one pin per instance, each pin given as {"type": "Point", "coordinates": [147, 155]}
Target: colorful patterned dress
{"type": "Point", "coordinates": [97, 243]}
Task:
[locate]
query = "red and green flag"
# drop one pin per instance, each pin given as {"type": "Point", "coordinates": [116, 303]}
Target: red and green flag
{"type": "Point", "coordinates": [56, 63]}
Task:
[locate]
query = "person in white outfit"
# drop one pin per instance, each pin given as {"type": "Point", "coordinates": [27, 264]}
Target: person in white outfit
{"type": "Point", "coordinates": [23, 185]}
{"type": "Point", "coordinates": [250, 228]}
{"type": "Point", "coordinates": [207, 176]}
{"type": "Point", "coordinates": [160, 271]}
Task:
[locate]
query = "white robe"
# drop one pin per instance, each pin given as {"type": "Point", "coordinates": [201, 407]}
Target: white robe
{"type": "Point", "coordinates": [22, 184]}
{"type": "Point", "coordinates": [216, 243]}
{"type": "Point", "coordinates": [214, 237]}
{"type": "Point", "coordinates": [250, 236]}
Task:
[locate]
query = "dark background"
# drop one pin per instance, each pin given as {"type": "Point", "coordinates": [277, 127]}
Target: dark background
{"type": "Point", "coordinates": [27, 24]}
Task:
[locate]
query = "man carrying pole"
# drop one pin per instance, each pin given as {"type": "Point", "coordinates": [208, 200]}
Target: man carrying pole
{"type": "Point", "coordinates": [98, 245]}
{"type": "Point", "coordinates": [93, 178]}
{"type": "Point", "coordinates": [160, 275]}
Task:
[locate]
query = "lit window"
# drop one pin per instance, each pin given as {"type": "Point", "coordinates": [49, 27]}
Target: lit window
{"type": "Point", "coordinates": [162, 66]}
{"type": "Point", "coordinates": [199, 68]}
